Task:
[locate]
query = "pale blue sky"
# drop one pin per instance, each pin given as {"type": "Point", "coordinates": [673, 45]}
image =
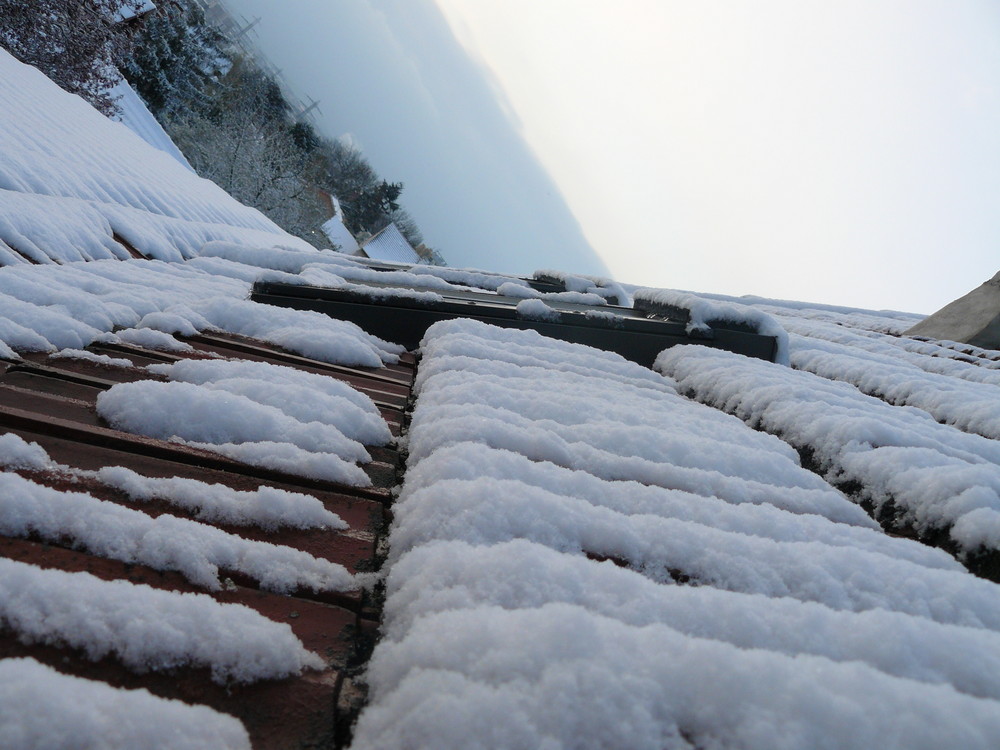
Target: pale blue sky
{"type": "Point", "coordinates": [836, 152]}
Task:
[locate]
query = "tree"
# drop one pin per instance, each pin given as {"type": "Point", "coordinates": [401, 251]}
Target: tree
{"type": "Point", "coordinates": [244, 143]}
{"type": "Point", "coordinates": [175, 58]}
{"type": "Point", "coordinates": [76, 43]}
{"type": "Point", "coordinates": [370, 208]}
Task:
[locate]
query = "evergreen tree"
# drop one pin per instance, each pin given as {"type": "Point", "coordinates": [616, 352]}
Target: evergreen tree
{"type": "Point", "coordinates": [176, 56]}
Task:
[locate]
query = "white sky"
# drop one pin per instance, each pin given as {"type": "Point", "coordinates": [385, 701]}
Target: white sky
{"type": "Point", "coordinates": [844, 152]}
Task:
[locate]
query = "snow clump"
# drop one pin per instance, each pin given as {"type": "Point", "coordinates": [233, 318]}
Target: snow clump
{"type": "Point", "coordinates": [147, 628]}
{"type": "Point", "coordinates": [42, 709]}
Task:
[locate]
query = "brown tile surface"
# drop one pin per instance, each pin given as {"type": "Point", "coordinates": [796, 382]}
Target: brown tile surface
{"type": "Point", "coordinates": [52, 402]}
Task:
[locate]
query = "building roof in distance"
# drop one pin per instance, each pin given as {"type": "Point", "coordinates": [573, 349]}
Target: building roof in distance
{"type": "Point", "coordinates": [390, 244]}
{"type": "Point", "coordinates": [971, 319]}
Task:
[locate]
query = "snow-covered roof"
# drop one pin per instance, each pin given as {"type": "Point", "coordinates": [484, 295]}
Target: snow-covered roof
{"type": "Point", "coordinates": [390, 244]}
{"type": "Point", "coordinates": [135, 115]}
{"type": "Point", "coordinates": [340, 235]}
{"type": "Point", "coordinates": [206, 499]}
{"type": "Point", "coordinates": [71, 183]}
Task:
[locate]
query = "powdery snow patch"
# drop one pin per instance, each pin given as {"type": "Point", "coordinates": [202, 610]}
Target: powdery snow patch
{"type": "Point", "coordinates": [97, 359]}
{"type": "Point", "coordinates": [305, 332]}
{"type": "Point", "coordinates": [42, 709]}
{"type": "Point", "coordinates": [934, 474]}
{"type": "Point", "coordinates": [17, 453]}
{"type": "Point", "coordinates": [152, 339]}
{"type": "Point", "coordinates": [599, 286]}
{"type": "Point", "coordinates": [704, 312]}
{"type": "Point", "coordinates": [472, 462]}
{"type": "Point", "coordinates": [195, 550]}
{"type": "Point", "coordinates": [553, 501]}
{"type": "Point", "coordinates": [290, 459]}
{"type": "Point", "coordinates": [490, 677]}
{"type": "Point", "coordinates": [467, 277]}
{"type": "Point", "coordinates": [467, 338]}
{"type": "Point", "coordinates": [519, 290]}
{"type": "Point", "coordinates": [535, 309]}
{"type": "Point", "coordinates": [266, 507]}
{"type": "Point", "coordinates": [444, 576]}
{"type": "Point", "coordinates": [147, 629]}
{"type": "Point", "coordinates": [213, 418]}
{"type": "Point", "coordinates": [302, 395]}
{"type": "Point", "coordinates": [72, 179]}
{"type": "Point", "coordinates": [838, 576]}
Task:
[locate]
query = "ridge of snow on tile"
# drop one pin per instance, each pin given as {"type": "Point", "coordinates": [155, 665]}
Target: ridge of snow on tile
{"type": "Point", "coordinates": [936, 476]}
{"type": "Point", "coordinates": [45, 308]}
{"type": "Point", "coordinates": [146, 628]}
{"type": "Point", "coordinates": [42, 709]}
{"type": "Point", "coordinates": [266, 507]}
{"type": "Point", "coordinates": [532, 596]}
{"type": "Point", "coordinates": [257, 413]}
{"type": "Point", "coordinates": [166, 542]}
{"type": "Point", "coordinates": [71, 179]}
{"type": "Point", "coordinates": [302, 395]}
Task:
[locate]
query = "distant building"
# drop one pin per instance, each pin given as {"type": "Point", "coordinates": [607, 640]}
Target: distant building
{"type": "Point", "coordinates": [389, 244]}
{"type": "Point", "coordinates": [334, 228]}
{"type": "Point", "coordinates": [972, 319]}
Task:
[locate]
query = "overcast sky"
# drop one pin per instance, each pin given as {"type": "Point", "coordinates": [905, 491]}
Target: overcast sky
{"type": "Point", "coordinates": [843, 152]}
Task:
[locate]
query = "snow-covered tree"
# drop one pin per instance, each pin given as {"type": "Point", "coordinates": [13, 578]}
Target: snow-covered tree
{"type": "Point", "coordinates": [245, 144]}
{"type": "Point", "coordinates": [176, 56]}
{"type": "Point", "coordinates": [76, 43]}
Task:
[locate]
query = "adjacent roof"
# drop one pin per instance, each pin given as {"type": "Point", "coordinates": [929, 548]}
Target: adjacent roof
{"type": "Point", "coordinates": [340, 235]}
{"type": "Point", "coordinates": [135, 115]}
{"type": "Point", "coordinates": [225, 523]}
{"type": "Point", "coordinates": [389, 244]}
{"type": "Point", "coordinates": [973, 319]}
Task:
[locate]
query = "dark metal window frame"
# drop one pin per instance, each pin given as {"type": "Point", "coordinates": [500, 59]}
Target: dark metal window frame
{"type": "Point", "coordinates": [404, 320]}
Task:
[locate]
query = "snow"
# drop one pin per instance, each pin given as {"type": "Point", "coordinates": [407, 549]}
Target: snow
{"type": "Point", "coordinates": [17, 453]}
{"type": "Point", "coordinates": [71, 179]}
{"type": "Point", "coordinates": [535, 309]}
{"type": "Point", "coordinates": [598, 286]}
{"type": "Point", "coordinates": [550, 511]}
{"type": "Point", "coordinates": [166, 542]}
{"type": "Point", "coordinates": [512, 289]}
{"type": "Point", "coordinates": [529, 353]}
{"type": "Point", "coordinates": [933, 473]}
{"type": "Point", "coordinates": [302, 395]}
{"type": "Point", "coordinates": [468, 277]}
{"type": "Point", "coordinates": [519, 574]}
{"type": "Point", "coordinates": [264, 414]}
{"type": "Point", "coordinates": [970, 406]}
{"type": "Point", "coordinates": [472, 679]}
{"type": "Point", "coordinates": [581, 554]}
{"type": "Point", "coordinates": [308, 333]}
{"type": "Point", "coordinates": [703, 313]}
{"type": "Point", "coordinates": [213, 415]}
{"type": "Point", "coordinates": [135, 115]}
{"type": "Point", "coordinates": [147, 629]}
{"type": "Point", "coordinates": [42, 709]}
{"type": "Point", "coordinates": [149, 339]}
{"type": "Point", "coordinates": [266, 507]}
{"type": "Point", "coordinates": [97, 359]}
{"type": "Point", "coordinates": [44, 308]}
{"type": "Point", "coordinates": [468, 462]}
